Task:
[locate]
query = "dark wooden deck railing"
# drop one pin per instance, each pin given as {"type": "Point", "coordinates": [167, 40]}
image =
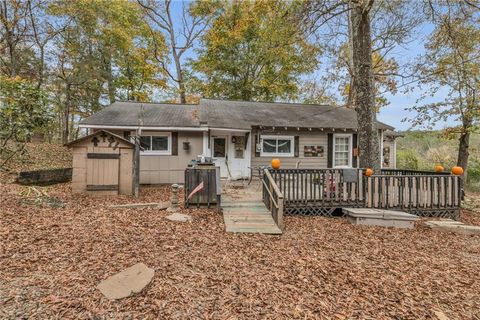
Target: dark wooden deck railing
{"type": "Point", "coordinates": [321, 191]}
{"type": "Point", "coordinates": [273, 198]}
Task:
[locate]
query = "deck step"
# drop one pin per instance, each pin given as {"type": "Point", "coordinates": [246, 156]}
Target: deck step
{"type": "Point", "coordinates": [235, 204]}
{"type": "Point", "coordinates": [248, 217]}
{"type": "Point", "coordinates": [245, 210]}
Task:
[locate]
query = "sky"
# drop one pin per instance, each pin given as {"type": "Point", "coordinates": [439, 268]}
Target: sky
{"type": "Point", "coordinates": [395, 112]}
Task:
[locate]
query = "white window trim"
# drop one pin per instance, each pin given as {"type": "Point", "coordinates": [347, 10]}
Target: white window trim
{"type": "Point", "coordinates": [167, 152]}
{"type": "Point", "coordinates": [275, 154]}
{"type": "Point", "coordinates": [350, 142]}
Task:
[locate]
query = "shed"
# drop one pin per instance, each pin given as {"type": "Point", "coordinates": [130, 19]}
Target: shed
{"type": "Point", "coordinates": [102, 164]}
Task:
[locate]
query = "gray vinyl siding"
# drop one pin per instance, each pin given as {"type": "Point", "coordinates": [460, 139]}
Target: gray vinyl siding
{"type": "Point", "coordinates": [306, 138]}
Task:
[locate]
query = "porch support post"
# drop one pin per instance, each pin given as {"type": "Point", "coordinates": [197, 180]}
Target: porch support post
{"type": "Point", "coordinates": [136, 167]}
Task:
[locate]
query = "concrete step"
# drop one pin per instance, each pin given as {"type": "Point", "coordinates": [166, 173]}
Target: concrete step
{"type": "Point", "coordinates": [453, 226]}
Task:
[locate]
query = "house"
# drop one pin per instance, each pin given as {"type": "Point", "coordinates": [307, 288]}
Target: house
{"type": "Point", "coordinates": [238, 135]}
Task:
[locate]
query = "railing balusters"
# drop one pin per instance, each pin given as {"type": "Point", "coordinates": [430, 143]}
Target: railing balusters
{"type": "Point", "coordinates": [311, 189]}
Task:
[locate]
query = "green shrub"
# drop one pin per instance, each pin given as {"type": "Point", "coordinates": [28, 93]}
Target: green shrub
{"type": "Point", "coordinates": [473, 175]}
{"type": "Point", "coordinates": [407, 159]}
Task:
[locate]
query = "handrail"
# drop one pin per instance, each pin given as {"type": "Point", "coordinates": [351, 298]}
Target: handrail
{"type": "Point", "coordinates": [275, 203]}
{"type": "Point", "coordinates": [386, 171]}
{"type": "Point", "coordinates": [271, 195]}
{"type": "Point", "coordinates": [274, 185]}
{"type": "Point", "coordinates": [412, 175]}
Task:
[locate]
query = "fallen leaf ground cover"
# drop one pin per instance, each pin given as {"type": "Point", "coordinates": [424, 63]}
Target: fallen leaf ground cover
{"type": "Point", "coordinates": [40, 156]}
{"type": "Point", "coordinates": [52, 258]}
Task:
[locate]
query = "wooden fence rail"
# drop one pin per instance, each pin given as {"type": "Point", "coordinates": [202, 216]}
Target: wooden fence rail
{"type": "Point", "coordinates": [321, 191]}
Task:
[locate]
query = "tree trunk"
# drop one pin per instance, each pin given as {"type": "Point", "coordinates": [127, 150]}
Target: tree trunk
{"type": "Point", "coordinates": [66, 115]}
{"type": "Point", "coordinates": [180, 81]}
{"type": "Point", "coordinates": [110, 83]}
{"type": "Point", "coordinates": [463, 152]}
{"type": "Point", "coordinates": [361, 46]}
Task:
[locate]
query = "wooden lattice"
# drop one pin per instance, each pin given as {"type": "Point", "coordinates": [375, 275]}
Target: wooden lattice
{"type": "Point", "coordinates": [328, 211]}
{"type": "Point", "coordinates": [310, 211]}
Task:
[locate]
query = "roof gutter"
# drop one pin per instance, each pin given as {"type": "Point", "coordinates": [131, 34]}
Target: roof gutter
{"type": "Point", "coordinates": [203, 129]}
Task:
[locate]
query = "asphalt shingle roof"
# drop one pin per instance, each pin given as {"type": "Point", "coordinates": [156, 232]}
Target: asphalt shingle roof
{"type": "Point", "coordinates": [244, 115]}
{"type": "Point", "coordinates": [152, 115]}
{"type": "Point", "coordinates": [227, 114]}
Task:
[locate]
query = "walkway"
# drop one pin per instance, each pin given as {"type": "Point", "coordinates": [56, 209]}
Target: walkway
{"type": "Point", "coordinates": [244, 211]}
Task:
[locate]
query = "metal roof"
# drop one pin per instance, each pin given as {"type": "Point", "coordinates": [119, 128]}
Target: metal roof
{"type": "Point", "coordinates": [226, 114]}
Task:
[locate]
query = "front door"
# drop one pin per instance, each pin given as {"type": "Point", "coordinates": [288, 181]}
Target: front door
{"type": "Point", "coordinates": [220, 154]}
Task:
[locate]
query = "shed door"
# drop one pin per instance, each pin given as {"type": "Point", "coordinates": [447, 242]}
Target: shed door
{"type": "Point", "coordinates": [102, 170]}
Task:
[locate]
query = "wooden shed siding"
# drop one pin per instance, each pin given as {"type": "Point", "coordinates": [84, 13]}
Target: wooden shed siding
{"type": "Point", "coordinates": [126, 171]}
{"type": "Point", "coordinates": [158, 169]}
{"type": "Point", "coordinates": [79, 176]}
{"type": "Point", "coordinates": [102, 171]}
{"type": "Point", "coordinates": [306, 138]}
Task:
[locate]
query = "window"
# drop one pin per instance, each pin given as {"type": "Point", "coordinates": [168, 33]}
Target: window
{"type": "Point", "coordinates": [156, 144]}
{"type": "Point", "coordinates": [219, 147]}
{"type": "Point", "coordinates": [342, 150]}
{"type": "Point", "coordinates": [279, 146]}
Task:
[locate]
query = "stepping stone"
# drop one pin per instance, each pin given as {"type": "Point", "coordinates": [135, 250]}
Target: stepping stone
{"type": "Point", "coordinates": [179, 217]}
{"type": "Point", "coordinates": [130, 281]}
{"type": "Point", "coordinates": [380, 217]}
{"type": "Point", "coordinates": [452, 226]}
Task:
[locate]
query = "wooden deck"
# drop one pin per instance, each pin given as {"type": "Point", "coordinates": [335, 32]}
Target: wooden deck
{"type": "Point", "coordinates": [248, 217]}
{"type": "Point", "coordinates": [322, 191]}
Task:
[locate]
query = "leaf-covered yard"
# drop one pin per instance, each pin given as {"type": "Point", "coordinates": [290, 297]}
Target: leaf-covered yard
{"type": "Point", "coordinates": [53, 258]}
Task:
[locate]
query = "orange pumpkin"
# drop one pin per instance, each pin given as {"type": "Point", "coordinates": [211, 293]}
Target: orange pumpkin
{"type": "Point", "coordinates": [275, 163]}
{"type": "Point", "coordinates": [457, 170]}
{"type": "Point", "coordinates": [368, 172]}
{"type": "Point", "coordinates": [439, 168]}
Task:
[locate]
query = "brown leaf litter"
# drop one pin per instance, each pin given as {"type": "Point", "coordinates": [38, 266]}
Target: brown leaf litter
{"type": "Point", "coordinates": [320, 268]}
